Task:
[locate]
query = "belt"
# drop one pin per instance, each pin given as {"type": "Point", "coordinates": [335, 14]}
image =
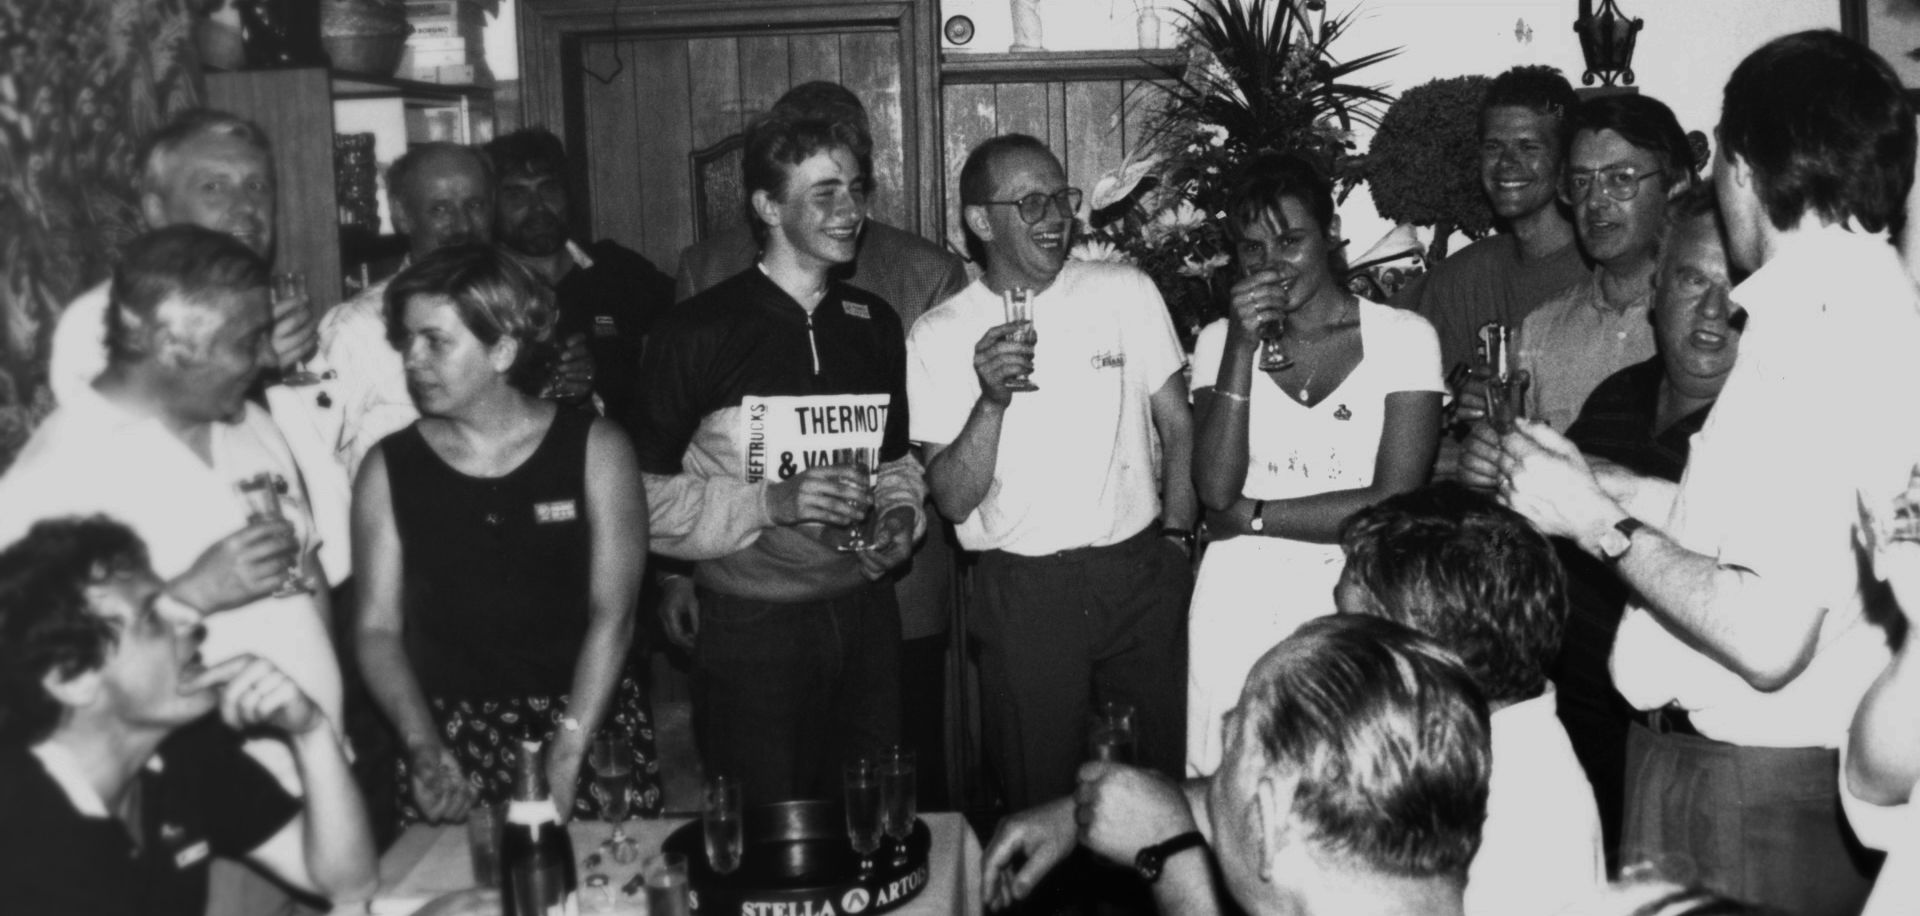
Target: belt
{"type": "Point", "coordinates": [1667, 720]}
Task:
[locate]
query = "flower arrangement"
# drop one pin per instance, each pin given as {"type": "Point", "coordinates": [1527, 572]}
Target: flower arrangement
{"type": "Point", "coordinates": [1259, 77]}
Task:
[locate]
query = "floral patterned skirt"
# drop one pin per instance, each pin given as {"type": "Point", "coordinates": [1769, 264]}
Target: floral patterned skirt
{"type": "Point", "coordinates": [485, 736]}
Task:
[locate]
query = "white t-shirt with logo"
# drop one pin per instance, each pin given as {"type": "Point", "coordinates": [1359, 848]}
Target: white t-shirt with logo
{"type": "Point", "coordinates": [1078, 464]}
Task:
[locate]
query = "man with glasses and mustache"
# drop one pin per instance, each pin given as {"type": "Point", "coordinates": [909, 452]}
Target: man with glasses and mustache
{"type": "Point", "coordinates": [1082, 519]}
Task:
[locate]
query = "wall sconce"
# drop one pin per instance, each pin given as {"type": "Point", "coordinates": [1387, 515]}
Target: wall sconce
{"type": "Point", "coordinates": [1606, 41]}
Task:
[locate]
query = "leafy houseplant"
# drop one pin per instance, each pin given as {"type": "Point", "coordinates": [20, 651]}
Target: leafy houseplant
{"type": "Point", "coordinates": [1424, 162]}
{"type": "Point", "coordinates": [1259, 77]}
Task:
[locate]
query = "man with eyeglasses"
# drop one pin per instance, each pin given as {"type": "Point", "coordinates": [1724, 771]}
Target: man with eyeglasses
{"type": "Point", "coordinates": [1077, 492]}
{"type": "Point", "coordinates": [1748, 644]}
{"type": "Point", "coordinates": [1628, 157]}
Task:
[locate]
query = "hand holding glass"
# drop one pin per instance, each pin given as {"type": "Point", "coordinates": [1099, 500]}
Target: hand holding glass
{"type": "Point", "coordinates": [1019, 311]}
{"type": "Point", "coordinates": [720, 812]}
{"type": "Point", "coordinates": [262, 495]}
{"type": "Point", "coordinates": [1273, 354]}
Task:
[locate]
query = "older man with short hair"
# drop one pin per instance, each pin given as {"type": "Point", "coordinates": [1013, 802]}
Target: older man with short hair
{"type": "Point", "coordinates": [164, 440]}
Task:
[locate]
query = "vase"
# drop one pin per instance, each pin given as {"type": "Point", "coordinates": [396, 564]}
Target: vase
{"type": "Point", "coordinates": [1026, 25]}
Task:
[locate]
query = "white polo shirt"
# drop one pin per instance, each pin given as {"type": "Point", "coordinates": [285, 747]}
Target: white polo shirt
{"type": "Point", "coordinates": [1078, 464]}
{"type": "Point", "coordinates": [1541, 847]}
{"type": "Point", "coordinates": [93, 457]}
{"type": "Point", "coordinates": [1810, 416]}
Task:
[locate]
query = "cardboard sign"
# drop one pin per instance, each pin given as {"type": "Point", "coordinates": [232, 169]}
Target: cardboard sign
{"type": "Point", "coordinates": [786, 435]}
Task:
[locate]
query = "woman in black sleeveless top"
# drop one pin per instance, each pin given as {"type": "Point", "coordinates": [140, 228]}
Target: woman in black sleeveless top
{"type": "Point", "coordinates": [500, 540]}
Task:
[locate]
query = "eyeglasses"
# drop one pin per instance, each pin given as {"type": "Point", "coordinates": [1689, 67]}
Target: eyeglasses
{"type": "Point", "coordinates": [1033, 207]}
{"type": "Point", "coordinates": [1621, 184]}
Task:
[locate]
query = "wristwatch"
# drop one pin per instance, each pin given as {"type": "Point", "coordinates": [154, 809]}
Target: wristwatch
{"type": "Point", "coordinates": [1150, 860]}
{"type": "Point", "coordinates": [1615, 541]}
{"type": "Point", "coordinates": [1258, 524]}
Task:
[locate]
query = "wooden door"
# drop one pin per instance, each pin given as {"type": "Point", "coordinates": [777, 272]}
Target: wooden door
{"type": "Point", "coordinates": [636, 93]}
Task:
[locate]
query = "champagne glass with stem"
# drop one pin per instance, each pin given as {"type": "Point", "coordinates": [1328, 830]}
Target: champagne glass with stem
{"type": "Point", "coordinates": [612, 762]}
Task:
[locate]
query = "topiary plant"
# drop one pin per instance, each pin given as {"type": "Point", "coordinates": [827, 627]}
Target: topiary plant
{"type": "Point", "coordinates": [1424, 164]}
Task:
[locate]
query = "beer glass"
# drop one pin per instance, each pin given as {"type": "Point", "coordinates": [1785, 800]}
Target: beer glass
{"type": "Point", "coordinates": [720, 822]}
{"type": "Point", "coordinates": [861, 780]}
{"type": "Point", "coordinates": [262, 495]}
{"type": "Point", "coordinates": [287, 285]}
{"type": "Point", "coordinates": [1019, 310]}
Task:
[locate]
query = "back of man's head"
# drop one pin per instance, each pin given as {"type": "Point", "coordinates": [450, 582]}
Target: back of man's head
{"type": "Point", "coordinates": [154, 153]}
{"type": "Point", "coordinates": [1536, 88]}
{"type": "Point", "coordinates": [47, 626]}
{"type": "Point", "coordinates": [1645, 122]}
{"type": "Point", "coordinates": [1456, 565]}
{"type": "Point", "coordinates": [418, 158]}
{"type": "Point", "coordinates": [1827, 130]}
{"type": "Point", "coordinates": [1387, 739]}
{"type": "Point", "coordinates": [184, 261]}
{"type": "Point", "coordinates": [529, 151]}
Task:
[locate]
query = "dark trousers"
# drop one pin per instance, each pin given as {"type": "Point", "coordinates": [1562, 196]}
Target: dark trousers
{"type": "Point", "coordinates": [1762, 825]}
{"type": "Point", "coordinates": [784, 692]}
{"type": "Point", "coordinates": [923, 707]}
{"type": "Point", "coordinates": [1058, 634]}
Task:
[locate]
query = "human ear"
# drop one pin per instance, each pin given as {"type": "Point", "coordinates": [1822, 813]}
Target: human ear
{"type": "Point", "coordinates": [976, 219]}
{"type": "Point", "coordinates": [503, 352]}
{"type": "Point", "coordinates": [1272, 819]}
{"type": "Point", "coordinates": [766, 208]}
{"type": "Point", "coordinates": [74, 692]}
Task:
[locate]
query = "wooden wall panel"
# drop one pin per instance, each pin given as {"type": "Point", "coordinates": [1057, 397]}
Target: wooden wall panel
{"type": "Point", "coordinates": [665, 124]}
{"type": "Point", "coordinates": [764, 73]}
{"type": "Point", "coordinates": [295, 108]}
{"type": "Point", "coordinates": [868, 67]}
{"type": "Point", "coordinates": [1022, 108]}
{"type": "Point", "coordinates": [814, 57]}
{"type": "Point", "coordinates": [968, 112]}
{"type": "Point", "coordinates": [1093, 124]}
{"type": "Point", "coordinates": [713, 89]}
{"type": "Point", "coordinates": [613, 144]}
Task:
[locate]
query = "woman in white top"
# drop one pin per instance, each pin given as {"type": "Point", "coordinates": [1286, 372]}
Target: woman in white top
{"type": "Point", "coordinates": [1283, 458]}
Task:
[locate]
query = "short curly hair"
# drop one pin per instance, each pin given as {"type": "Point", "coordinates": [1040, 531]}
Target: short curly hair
{"type": "Point", "coordinates": [496, 298]}
{"type": "Point", "coordinates": [47, 626]}
{"type": "Point", "coordinates": [1458, 566]}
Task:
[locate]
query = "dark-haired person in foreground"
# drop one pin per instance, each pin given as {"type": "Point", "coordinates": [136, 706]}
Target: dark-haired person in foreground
{"type": "Point", "coordinates": [121, 769]}
{"type": "Point", "coordinates": [1472, 575]}
{"type": "Point", "coordinates": [606, 293]}
{"type": "Point", "coordinates": [1749, 647]}
{"type": "Point", "coordinates": [761, 396]}
{"type": "Point", "coordinates": [1354, 781]}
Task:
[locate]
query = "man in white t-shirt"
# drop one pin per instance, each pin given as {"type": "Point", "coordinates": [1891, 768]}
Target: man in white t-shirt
{"type": "Point", "coordinates": [1748, 647]}
{"type": "Point", "coordinates": [162, 442]}
{"type": "Point", "coordinates": [1077, 494]}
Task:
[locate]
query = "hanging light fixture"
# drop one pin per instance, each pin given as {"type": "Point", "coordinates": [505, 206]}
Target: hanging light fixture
{"type": "Point", "coordinates": [1606, 41]}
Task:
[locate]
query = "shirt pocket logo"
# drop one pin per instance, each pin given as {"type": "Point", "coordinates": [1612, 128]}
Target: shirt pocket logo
{"type": "Point", "coordinates": [556, 512]}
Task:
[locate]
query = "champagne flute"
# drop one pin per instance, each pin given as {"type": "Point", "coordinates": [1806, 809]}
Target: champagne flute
{"type": "Point", "coordinates": [262, 495]}
{"type": "Point", "coordinates": [1110, 733]}
{"type": "Point", "coordinates": [1019, 310]}
{"type": "Point", "coordinates": [612, 763]}
{"type": "Point", "coordinates": [859, 535]}
{"type": "Point", "coordinates": [721, 825]}
{"type": "Point", "coordinates": [899, 799]}
{"type": "Point", "coordinates": [287, 285]}
{"type": "Point", "coordinates": [1273, 354]}
{"type": "Point", "coordinates": [861, 780]}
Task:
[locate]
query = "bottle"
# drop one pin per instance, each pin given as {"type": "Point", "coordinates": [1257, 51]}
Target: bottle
{"type": "Point", "coordinates": [537, 872]}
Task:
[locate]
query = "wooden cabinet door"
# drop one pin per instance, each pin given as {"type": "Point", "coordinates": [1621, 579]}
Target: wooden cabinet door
{"type": "Point", "coordinates": [295, 108]}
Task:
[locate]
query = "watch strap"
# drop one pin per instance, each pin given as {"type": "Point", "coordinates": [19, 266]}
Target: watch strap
{"type": "Point", "coordinates": [1257, 523]}
{"type": "Point", "coordinates": [1625, 528]}
{"type": "Point", "coordinates": [1150, 860]}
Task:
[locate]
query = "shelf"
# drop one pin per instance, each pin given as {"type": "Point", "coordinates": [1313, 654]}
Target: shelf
{"type": "Point", "coordinates": [1057, 66]}
{"type": "Point", "coordinates": [364, 86]}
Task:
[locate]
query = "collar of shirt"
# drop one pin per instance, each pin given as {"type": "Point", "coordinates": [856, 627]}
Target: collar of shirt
{"type": "Point", "coordinates": [67, 773]}
{"type": "Point", "coordinates": [1804, 268]}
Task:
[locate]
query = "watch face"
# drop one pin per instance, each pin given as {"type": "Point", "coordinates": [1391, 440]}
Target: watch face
{"type": "Point", "coordinates": [959, 29]}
